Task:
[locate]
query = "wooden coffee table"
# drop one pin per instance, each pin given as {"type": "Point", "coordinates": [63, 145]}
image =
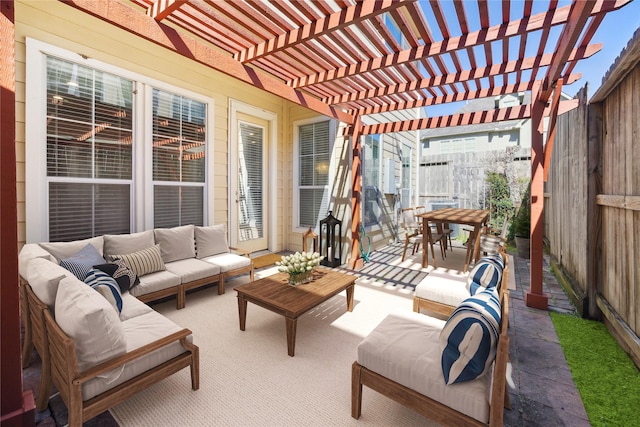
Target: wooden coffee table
{"type": "Point", "coordinates": [275, 294]}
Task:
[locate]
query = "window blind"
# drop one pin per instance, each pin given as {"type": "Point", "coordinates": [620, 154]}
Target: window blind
{"type": "Point", "coordinates": [313, 172]}
{"type": "Point", "coordinates": [179, 137]}
{"type": "Point", "coordinates": [89, 140]}
{"type": "Point", "coordinates": [250, 174]}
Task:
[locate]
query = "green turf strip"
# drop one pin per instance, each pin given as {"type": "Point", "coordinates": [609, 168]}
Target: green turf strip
{"type": "Point", "coordinates": [607, 379]}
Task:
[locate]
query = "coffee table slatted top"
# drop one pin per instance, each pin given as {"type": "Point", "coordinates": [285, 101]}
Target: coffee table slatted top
{"type": "Point", "coordinates": [293, 301]}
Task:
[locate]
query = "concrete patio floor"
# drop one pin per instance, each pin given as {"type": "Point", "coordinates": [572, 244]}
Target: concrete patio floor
{"type": "Point", "coordinates": [544, 394]}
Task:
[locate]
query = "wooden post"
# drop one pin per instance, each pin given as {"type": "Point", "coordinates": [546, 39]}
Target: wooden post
{"type": "Point", "coordinates": [535, 297]}
{"type": "Point", "coordinates": [594, 211]}
{"type": "Point", "coordinates": [356, 262]}
{"type": "Point", "coordinates": [17, 407]}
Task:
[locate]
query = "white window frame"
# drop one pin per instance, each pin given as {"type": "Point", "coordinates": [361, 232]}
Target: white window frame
{"type": "Point", "coordinates": [296, 169]}
{"type": "Point", "coordinates": [36, 180]}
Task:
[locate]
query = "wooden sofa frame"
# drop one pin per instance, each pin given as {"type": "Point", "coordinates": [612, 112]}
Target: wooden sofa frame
{"type": "Point", "coordinates": [69, 380]}
{"type": "Point", "coordinates": [445, 309]}
{"type": "Point", "coordinates": [433, 409]}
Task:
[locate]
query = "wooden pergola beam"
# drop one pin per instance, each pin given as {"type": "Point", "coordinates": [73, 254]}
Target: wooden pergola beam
{"type": "Point", "coordinates": [578, 16]}
{"type": "Point", "coordinates": [160, 9]}
{"type": "Point", "coordinates": [362, 11]}
{"type": "Point", "coordinates": [462, 76]}
{"type": "Point", "coordinates": [460, 96]}
{"type": "Point", "coordinates": [520, 112]}
{"type": "Point", "coordinates": [132, 21]}
{"type": "Point", "coordinates": [497, 32]}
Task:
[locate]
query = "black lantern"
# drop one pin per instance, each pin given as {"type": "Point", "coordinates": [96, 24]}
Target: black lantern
{"type": "Point", "coordinates": [333, 252]}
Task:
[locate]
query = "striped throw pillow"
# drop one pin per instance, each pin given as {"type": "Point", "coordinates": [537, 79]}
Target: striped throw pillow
{"type": "Point", "coordinates": [469, 339]}
{"type": "Point", "coordinates": [106, 286]}
{"type": "Point", "coordinates": [487, 273]}
{"type": "Point", "coordinates": [143, 262]}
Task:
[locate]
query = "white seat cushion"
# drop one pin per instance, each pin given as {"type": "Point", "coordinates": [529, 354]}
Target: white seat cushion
{"type": "Point", "coordinates": [153, 282]}
{"type": "Point", "coordinates": [132, 307]}
{"type": "Point", "coordinates": [228, 262]}
{"type": "Point", "coordinates": [445, 288]}
{"type": "Point", "coordinates": [139, 331]}
{"type": "Point", "coordinates": [404, 348]}
{"type": "Point", "coordinates": [192, 269]}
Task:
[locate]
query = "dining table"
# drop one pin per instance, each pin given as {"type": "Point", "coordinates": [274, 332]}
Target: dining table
{"type": "Point", "coordinates": [476, 218]}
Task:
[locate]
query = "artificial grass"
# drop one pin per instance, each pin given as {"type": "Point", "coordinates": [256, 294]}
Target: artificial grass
{"type": "Point", "coordinates": [607, 379]}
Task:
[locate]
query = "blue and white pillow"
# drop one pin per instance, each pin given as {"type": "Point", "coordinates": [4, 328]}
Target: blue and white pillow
{"type": "Point", "coordinates": [487, 273]}
{"type": "Point", "coordinates": [106, 286]}
{"type": "Point", "coordinates": [83, 261]}
{"type": "Point", "coordinates": [469, 339]}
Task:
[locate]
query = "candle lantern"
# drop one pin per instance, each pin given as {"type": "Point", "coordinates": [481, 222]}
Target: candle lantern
{"type": "Point", "coordinates": [332, 250]}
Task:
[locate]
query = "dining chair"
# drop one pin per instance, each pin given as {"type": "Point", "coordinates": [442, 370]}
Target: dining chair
{"type": "Point", "coordinates": [413, 234]}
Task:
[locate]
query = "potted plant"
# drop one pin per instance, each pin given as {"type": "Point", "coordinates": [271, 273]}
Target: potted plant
{"type": "Point", "coordinates": [522, 225]}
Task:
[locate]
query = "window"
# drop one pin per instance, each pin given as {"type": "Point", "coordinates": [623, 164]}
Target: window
{"type": "Point", "coordinates": [89, 154]}
{"type": "Point", "coordinates": [406, 176]}
{"type": "Point", "coordinates": [371, 179]}
{"type": "Point", "coordinates": [314, 150]}
{"type": "Point", "coordinates": [178, 160]}
{"type": "Point", "coordinates": [112, 151]}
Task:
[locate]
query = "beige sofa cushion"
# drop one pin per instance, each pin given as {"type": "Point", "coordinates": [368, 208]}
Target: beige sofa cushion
{"type": "Point", "coordinates": [62, 250]}
{"type": "Point", "coordinates": [44, 277]}
{"type": "Point", "coordinates": [404, 347]}
{"type": "Point", "coordinates": [127, 243]}
{"type": "Point", "coordinates": [228, 261]}
{"type": "Point", "coordinates": [153, 282]}
{"type": "Point", "coordinates": [132, 307]}
{"type": "Point", "coordinates": [139, 331]}
{"type": "Point", "coordinates": [88, 318]}
{"type": "Point", "coordinates": [29, 252]}
{"type": "Point", "coordinates": [176, 243]}
{"type": "Point", "coordinates": [443, 287]}
{"type": "Point", "coordinates": [192, 269]}
{"type": "Point", "coordinates": [211, 240]}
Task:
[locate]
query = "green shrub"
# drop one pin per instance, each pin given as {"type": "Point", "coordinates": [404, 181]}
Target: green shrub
{"type": "Point", "coordinates": [521, 225]}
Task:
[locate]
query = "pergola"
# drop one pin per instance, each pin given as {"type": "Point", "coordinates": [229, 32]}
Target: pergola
{"type": "Point", "coordinates": [346, 59]}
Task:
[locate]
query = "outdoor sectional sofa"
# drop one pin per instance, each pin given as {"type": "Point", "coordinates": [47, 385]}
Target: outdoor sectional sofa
{"type": "Point", "coordinates": [101, 347]}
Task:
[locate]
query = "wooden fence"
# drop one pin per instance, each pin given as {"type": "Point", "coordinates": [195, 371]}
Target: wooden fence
{"type": "Point", "coordinates": [592, 208]}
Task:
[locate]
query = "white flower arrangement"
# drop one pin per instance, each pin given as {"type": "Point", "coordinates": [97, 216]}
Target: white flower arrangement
{"type": "Point", "coordinates": [300, 262]}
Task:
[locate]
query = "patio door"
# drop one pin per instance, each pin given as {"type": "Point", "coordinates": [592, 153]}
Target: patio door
{"type": "Point", "coordinates": [250, 202]}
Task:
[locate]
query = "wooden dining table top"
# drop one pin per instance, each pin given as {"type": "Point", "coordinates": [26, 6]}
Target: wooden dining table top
{"type": "Point", "coordinates": [457, 215]}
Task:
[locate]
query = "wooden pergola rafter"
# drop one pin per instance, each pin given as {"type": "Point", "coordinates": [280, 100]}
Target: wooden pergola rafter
{"type": "Point", "coordinates": [347, 58]}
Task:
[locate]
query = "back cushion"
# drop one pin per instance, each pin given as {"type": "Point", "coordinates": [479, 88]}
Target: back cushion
{"type": "Point", "coordinates": [469, 339]}
{"type": "Point", "coordinates": [211, 240]}
{"type": "Point", "coordinates": [127, 243]}
{"type": "Point", "coordinates": [92, 323]}
{"type": "Point", "coordinates": [62, 250]}
{"type": "Point", "coordinates": [176, 243]}
{"type": "Point", "coordinates": [44, 276]}
{"type": "Point", "coordinates": [80, 263]}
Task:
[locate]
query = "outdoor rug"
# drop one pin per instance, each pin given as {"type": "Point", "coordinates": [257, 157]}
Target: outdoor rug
{"type": "Point", "coordinates": [247, 378]}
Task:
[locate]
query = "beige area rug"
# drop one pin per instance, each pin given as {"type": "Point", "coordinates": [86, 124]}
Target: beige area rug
{"type": "Point", "coordinates": [247, 378]}
{"type": "Point", "coordinates": [265, 260]}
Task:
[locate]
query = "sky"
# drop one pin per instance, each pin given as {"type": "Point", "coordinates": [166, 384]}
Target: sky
{"type": "Point", "coordinates": [614, 32]}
